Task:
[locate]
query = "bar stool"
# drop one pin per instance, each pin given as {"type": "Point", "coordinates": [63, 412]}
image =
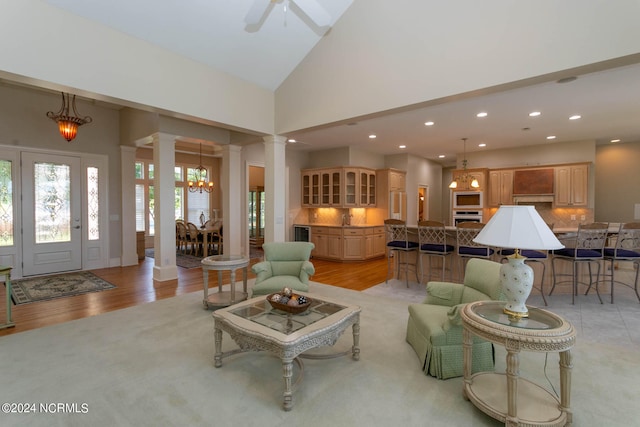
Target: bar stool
{"type": "Point", "coordinates": [466, 247]}
{"type": "Point", "coordinates": [398, 243]}
{"type": "Point", "coordinates": [432, 238]}
{"type": "Point", "coordinates": [589, 247]}
{"type": "Point", "coordinates": [627, 249]}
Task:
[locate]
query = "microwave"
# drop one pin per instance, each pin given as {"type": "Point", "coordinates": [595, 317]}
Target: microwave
{"type": "Point", "coordinates": [468, 200]}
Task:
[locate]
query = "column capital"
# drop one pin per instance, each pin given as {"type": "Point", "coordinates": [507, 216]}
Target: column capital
{"type": "Point", "coordinates": [278, 139]}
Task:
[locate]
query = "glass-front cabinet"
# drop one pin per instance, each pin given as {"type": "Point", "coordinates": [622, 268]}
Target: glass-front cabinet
{"type": "Point", "coordinates": [339, 187]}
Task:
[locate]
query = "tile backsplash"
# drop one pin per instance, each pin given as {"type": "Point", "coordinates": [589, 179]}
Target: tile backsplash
{"type": "Point", "coordinates": [559, 217]}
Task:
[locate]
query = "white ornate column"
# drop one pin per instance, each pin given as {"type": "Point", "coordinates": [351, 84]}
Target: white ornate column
{"type": "Point", "coordinates": [233, 199]}
{"type": "Point", "coordinates": [164, 183]}
{"type": "Point", "coordinates": [275, 188]}
{"type": "Point", "coordinates": [129, 255]}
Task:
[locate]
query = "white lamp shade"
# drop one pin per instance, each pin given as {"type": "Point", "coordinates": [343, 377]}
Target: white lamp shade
{"type": "Point", "coordinates": [518, 227]}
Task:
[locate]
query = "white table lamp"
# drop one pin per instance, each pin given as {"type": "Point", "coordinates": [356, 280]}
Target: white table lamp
{"type": "Point", "coordinates": [517, 227]}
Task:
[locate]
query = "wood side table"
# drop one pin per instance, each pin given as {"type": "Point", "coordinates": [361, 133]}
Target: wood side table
{"type": "Point", "coordinates": [7, 285]}
{"type": "Point", "coordinates": [507, 397]}
{"type": "Point", "coordinates": [221, 263]}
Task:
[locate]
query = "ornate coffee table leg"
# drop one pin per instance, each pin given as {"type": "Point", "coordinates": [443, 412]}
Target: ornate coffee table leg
{"type": "Point", "coordinates": [355, 350]}
{"type": "Point", "coordinates": [218, 355]}
{"type": "Point", "coordinates": [287, 373]}
{"type": "Point", "coordinates": [566, 363]}
{"type": "Point", "coordinates": [513, 371]}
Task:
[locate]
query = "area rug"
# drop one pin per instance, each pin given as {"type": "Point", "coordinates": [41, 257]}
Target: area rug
{"type": "Point", "coordinates": [153, 365]}
{"type": "Point", "coordinates": [25, 291]}
{"type": "Point", "coordinates": [191, 261]}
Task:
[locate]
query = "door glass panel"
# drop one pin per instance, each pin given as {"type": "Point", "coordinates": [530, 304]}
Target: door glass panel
{"type": "Point", "coordinates": [51, 205]}
{"type": "Point", "coordinates": [93, 204]}
{"type": "Point", "coordinates": [6, 204]}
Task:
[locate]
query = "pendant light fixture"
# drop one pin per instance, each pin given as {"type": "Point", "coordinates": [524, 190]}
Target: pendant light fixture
{"type": "Point", "coordinates": [201, 183]}
{"type": "Point", "coordinates": [464, 179]}
{"type": "Point", "coordinates": [68, 124]}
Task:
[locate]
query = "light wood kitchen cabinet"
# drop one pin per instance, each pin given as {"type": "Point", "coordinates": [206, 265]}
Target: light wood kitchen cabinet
{"type": "Point", "coordinates": [367, 188]}
{"type": "Point", "coordinates": [572, 184]}
{"type": "Point", "coordinates": [327, 241]}
{"type": "Point", "coordinates": [331, 187]}
{"type": "Point", "coordinates": [339, 187]}
{"type": "Point", "coordinates": [353, 239]}
{"type": "Point", "coordinates": [391, 190]}
{"type": "Point", "coordinates": [351, 187]}
{"type": "Point", "coordinates": [478, 174]}
{"type": "Point", "coordinates": [355, 243]}
{"type": "Point", "coordinates": [500, 188]}
{"type": "Point", "coordinates": [375, 243]}
{"type": "Point", "coordinates": [311, 189]}
{"type": "Point", "coordinates": [397, 180]}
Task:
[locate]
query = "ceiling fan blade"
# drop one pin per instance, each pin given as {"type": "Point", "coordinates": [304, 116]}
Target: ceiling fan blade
{"type": "Point", "coordinates": [315, 11]}
{"type": "Point", "coordinates": [257, 11]}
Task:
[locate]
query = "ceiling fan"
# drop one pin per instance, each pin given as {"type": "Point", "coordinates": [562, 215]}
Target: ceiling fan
{"type": "Point", "coordinates": [311, 8]}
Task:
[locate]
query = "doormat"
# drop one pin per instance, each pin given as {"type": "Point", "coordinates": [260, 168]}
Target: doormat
{"type": "Point", "coordinates": [25, 291]}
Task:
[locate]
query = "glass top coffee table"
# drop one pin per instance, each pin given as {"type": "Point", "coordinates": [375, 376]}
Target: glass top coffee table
{"type": "Point", "coordinates": [255, 325]}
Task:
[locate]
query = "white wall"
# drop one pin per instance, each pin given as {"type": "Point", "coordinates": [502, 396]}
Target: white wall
{"type": "Point", "coordinates": [383, 54]}
{"type": "Point", "coordinates": [23, 123]}
{"type": "Point", "coordinates": [106, 64]}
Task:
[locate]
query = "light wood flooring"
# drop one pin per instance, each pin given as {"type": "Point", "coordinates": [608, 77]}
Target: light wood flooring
{"type": "Point", "coordinates": [135, 286]}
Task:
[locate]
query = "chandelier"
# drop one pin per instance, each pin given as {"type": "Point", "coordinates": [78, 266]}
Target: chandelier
{"type": "Point", "coordinates": [200, 174]}
{"type": "Point", "coordinates": [68, 124]}
{"type": "Point", "coordinates": [465, 178]}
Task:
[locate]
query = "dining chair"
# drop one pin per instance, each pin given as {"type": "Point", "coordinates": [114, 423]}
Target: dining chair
{"type": "Point", "coordinates": [194, 238]}
{"type": "Point", "coordinates": [589, 246]}
{"type": "Point", "coordinates": [182, 236]}
{"type": "Point", "coordinates": [400, 247]}
{"type": "Point", "coordinates": [432, 238]}
{"type": "Point", "coordinates": [466, 248]}
{"type": "Point", "coordinates": [626, 249]}
{"type": "Point", "coordinates": [533, 256]}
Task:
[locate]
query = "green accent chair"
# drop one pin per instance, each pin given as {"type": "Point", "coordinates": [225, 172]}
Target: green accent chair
{"type": "Point", "coordinates": [286, 264]}
{"type": "Point", "coordinates": [434, 329]}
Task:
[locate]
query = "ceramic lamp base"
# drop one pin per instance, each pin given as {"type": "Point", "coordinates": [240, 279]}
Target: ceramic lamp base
{"type": "Point", "coordinates": [516, 278]}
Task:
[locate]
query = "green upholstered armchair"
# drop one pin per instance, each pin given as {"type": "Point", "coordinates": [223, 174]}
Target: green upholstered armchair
{"type": "Point", "coordinates": [434, 329]}
{"type": "Point", "coordinates": [286, 264]}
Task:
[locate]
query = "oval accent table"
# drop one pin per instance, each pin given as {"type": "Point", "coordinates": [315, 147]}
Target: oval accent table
{"type": "Point", "coordinates": [221, 263]}
{"type": "Point", "coordinates": [507, 397]}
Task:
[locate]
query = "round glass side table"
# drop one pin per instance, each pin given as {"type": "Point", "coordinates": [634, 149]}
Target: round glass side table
{"type": "Point", "coordinates": [222, 263]}
{"type": "Point", "coordinates": [507, 397]}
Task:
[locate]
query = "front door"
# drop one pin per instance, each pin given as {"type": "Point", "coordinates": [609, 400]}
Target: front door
{"type": "Point", "coordinates": [51, 206]}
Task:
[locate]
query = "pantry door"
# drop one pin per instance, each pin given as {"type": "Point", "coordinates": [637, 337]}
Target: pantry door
{"type": "Point", "coordinates": [51, 207]}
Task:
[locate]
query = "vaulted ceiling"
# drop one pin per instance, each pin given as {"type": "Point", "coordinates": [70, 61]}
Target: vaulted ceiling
{"type": "Point", "coordinates": [214, 32]}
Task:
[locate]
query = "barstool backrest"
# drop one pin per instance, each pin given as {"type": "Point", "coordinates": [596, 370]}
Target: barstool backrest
{"type": "Point", "coordinates": [396, 230]}
{"type": "Point", "coordinates": [431, 232]}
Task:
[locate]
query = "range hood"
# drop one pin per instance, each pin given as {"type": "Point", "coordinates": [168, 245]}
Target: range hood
{"type": "Point", "coordinates": [525, 200]}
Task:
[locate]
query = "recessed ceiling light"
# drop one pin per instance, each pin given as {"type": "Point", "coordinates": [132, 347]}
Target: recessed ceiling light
{"type": "Point", "coordinates": [615, 140]}
{"type": "Point", "coordinates": [551, 137]}
{"type": "Point", "coordinates": [402, 146]}
{"type": "Point", "coordinates": [534, 113]}
{"type": "Point", "coordinates": [372, 136]}
{"type": "Point", "coordinates": [482, 114]}
{"type": "Point", "coordinates": [429, 123]}
{"type": "Point", "coordinates": [291, 140]}
{"type": "Point", "coordinates": [441, 156]}
{"type": "Point", "coordinates": [575, 117]}
{"type": "Point", "coordinates": [482, 145]}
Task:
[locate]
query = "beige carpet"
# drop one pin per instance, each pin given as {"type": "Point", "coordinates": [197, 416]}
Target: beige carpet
{"type": "Point", "coordinates": [152, 365]}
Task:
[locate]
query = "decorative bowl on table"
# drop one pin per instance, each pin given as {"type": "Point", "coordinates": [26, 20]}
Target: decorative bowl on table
{"type": "Point", "coordinates": [289, 302]}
